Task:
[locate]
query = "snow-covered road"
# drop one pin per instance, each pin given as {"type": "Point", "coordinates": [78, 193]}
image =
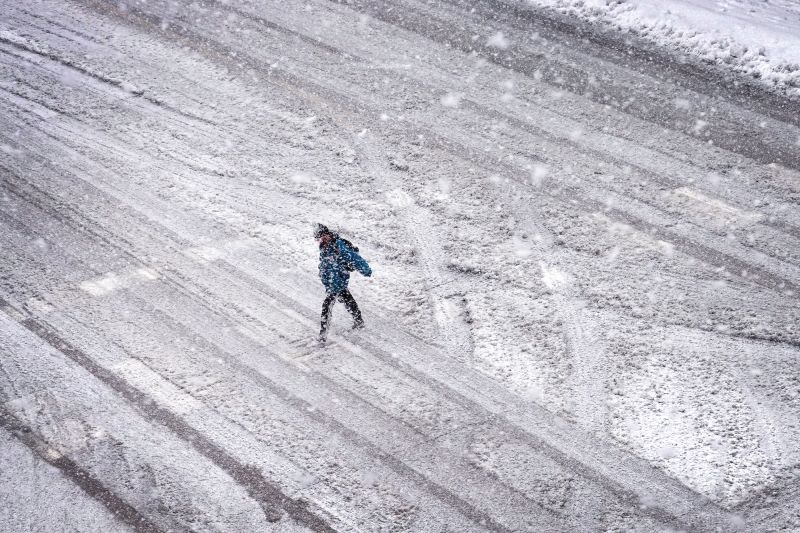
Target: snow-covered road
{"type": "Point", "coordinates": [584, 314]}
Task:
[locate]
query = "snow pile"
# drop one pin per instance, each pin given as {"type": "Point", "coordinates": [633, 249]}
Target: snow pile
{"type": "Point", "coordinates": [758, 39]}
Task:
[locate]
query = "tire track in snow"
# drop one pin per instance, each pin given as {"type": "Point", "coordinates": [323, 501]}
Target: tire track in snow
{"type": "Point", "coordinates": [389, 359]}
{"type": "Point", "coordinates": [316, 408]}
{"type": "Point", "coordinates": [292, 30]}
{"type": "Point", "coordinates": [555, 453]}
{"type": "Point", "coordinates": [561, 455]}
{"type": "Point", "coordinates": [416, 19]}
{"type": "Point", "coordinates": [705, 253]}
{"type": "Point", "coordinates": [593, 147]}
{"type": "Point", "coordinates": [453, 380]}
{"type": "Point", "coordinates": [346, 104]}
{"type": "Point", "coordinates": [119, 85]}
{"type": "Point", "coordinates": [445, 493]}
{"type": "Point", "coordinates": [263, 491]}
{"type": "Point", "coordinates": [319, 412]}
{"type": "Point", "coordinates": [288, 380]}
{"type": "Point", "coordinates": [776, 508]}
{"type": "Point", "coordinates": [652, 163]}
{"type": "Point", "coordinates": [584, 145]}
{"type": "Point", "coordinates": [101, 431]}
{"type": "Point", "coordinates": [43, 19]}
{"type": "Point", "coordinates": [587, 357]}
{"type": "Point", "coordinates": [72, 471]}
{"type": "Point", "coordinates": [789, 229]}
{"type": "Point", "coordinates": [419, 224]}
{"type": "Point", "coordinates": [640, 56]}
{"type": "Point", "coordinates": [583, 347]}
{"type": "Point", "coordinates": [237, 314]}
{"type": "Point", "coordinates": [764, 417]}
{"type": "Point", "coordinates": [64, 300]}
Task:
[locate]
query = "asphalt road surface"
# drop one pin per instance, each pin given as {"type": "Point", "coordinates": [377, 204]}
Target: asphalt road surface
{"type": "Point", "coordinates": [584, 314]}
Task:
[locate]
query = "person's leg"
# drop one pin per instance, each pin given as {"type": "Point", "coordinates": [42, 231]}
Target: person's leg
{"type": "Point", "coordinates": [347, 299]}
{"type": "Point", "coordinates": [327, 308]}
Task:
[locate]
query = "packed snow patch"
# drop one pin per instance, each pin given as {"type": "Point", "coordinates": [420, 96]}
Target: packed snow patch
{"type": "Point", "coordinates": [112, 281]}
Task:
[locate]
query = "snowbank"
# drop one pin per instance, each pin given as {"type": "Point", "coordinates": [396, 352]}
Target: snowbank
{"type": "Point", "coordinates": [758, 39]}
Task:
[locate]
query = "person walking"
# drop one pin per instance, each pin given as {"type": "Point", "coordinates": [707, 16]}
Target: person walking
{"type": "Point", "coordinates": [337, 258]}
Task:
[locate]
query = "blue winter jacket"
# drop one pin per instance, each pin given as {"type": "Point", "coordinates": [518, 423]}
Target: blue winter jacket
{"type": "Point", "coordinates": [333, 262]}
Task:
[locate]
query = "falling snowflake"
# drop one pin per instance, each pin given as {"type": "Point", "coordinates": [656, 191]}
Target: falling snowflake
{"type": "Point", "coordinates": [498, 40]}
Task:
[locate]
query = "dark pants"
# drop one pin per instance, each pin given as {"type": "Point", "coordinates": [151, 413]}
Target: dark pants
{"type": "Point", "coordinates": [327, 308]}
